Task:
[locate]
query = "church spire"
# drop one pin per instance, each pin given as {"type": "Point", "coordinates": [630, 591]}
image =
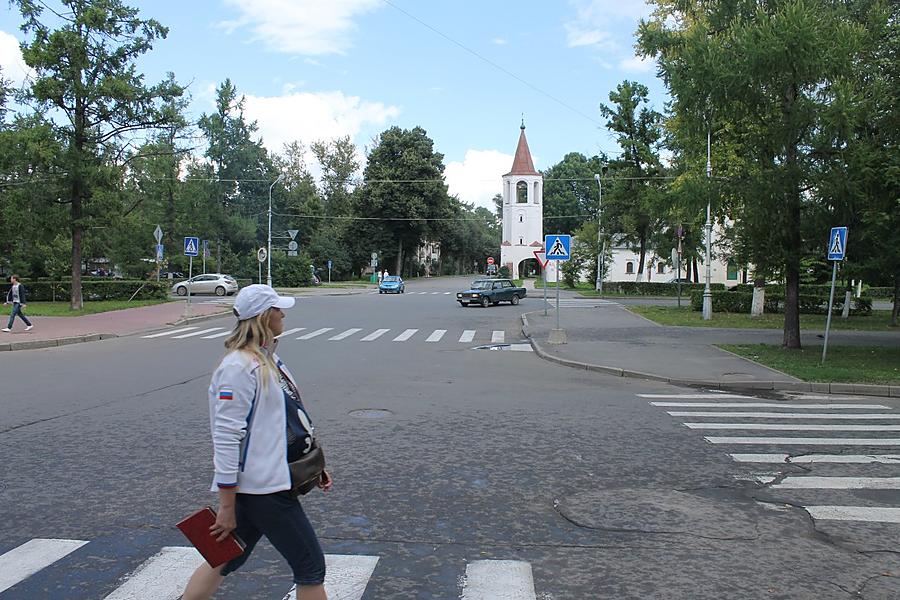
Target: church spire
{"type": "Point", "coordinates": [522, 163]}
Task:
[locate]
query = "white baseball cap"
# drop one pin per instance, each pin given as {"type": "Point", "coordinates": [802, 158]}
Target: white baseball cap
{"type": "Point", "coordinates": [256, 299]}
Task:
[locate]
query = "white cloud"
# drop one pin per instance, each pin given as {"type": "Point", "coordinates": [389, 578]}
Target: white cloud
{"type": "Point", "coordinates": [13, 67]}
{"type": "Point", "coordinates": [478, 177]}
{"type": "Point", "coordinates": [637, 64]}
{"type": "Point", "coordinates": [499, 41]}
{"type": "Point", "coordinates": [604, 24]}
{"type": "Point", "coordinates": [310, 27]}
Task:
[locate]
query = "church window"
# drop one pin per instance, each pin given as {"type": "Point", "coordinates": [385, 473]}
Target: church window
{"type": "Point", "coordinates": [629, 268]}
{"type": "Point", "coordinates": [521, 193]}
{"type": "Point", "coordinates": [521, 218]}
{"type": "Point", "coordinates": [537, 193]}
{"type": "Point", "coordinates": [732, 273]}
{"type": "Point", "coordinates": [521, 242]}
{"type": "Point", "coordinates": [660, 269]}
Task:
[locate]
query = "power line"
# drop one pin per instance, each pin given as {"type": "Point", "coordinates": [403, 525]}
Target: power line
{"type": "Point", "coordinates": [402, 219]}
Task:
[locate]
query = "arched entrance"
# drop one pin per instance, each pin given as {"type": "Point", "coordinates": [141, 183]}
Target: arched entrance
{"type": "Point", "coordinates": [529, 268]}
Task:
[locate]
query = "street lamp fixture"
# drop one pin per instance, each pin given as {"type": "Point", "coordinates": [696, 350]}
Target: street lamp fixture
{"type": "Point", "coordinates": [269, 257]}
{"type": "Point", "coordinates": [707, 292]}
{"type": "Point", "coordinates": [601, 242]}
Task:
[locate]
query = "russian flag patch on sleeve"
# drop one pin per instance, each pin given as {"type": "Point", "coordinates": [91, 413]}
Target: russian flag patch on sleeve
{"type": "Point", "coordinates": [226, 394]}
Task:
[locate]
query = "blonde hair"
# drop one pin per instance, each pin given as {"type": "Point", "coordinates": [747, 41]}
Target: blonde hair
{"type": "Point", "coordinates": [254, 337]}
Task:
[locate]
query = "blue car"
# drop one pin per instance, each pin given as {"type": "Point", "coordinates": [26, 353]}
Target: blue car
{"type": "Point", "coordinates": [392, 284]}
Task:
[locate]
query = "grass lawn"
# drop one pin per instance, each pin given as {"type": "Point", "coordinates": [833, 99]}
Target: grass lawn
{"type": "Point", "coordinates": [61, 309]}
{"type": "Point", "coordinates": [847, 364]}
{"type": "Point", "coordinates": [879, 320]}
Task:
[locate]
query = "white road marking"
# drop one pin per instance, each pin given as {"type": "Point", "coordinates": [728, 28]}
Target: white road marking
{"type": "Point", "coordinates": [162, 577]}
{"type": "Point", "coordinates": [696, 396]}
{"type": "Point", "coordinates": [422, 293]}
{"type": "Point", "coordinates": [437, 335]}
{"type": "Point", "coordinates": [839, 483]}
{"type": "Point", "coordinates": [290, 331]}
{"type": "Point", "coordinates": [435, 293]}
{"type": "Point", "coordinates": [345, 335]}
{"type": "Point", "coordinates": [23, 561]}
{"type": "Point", "coordinates": [824, 397]}
{"type": "Point", "coordinates": [521, 348]}
{"type": "Point", "coordinates": [315, 333]}
{"type": "Point", "coordinates": [871, 514]}
{"type": "Point", "coordinates": [194, 333]}
{"type": "Point", "coordinates": [165, 333]}
{"type": "Point", "coordinates": [374, 335]}
{"type": "Point", "coordinates": [467, 336]}
{"type": "Point", "coordinates": [497, 337]}
{"type": "Point", "coordinates": [791, 427]}
{"type": "Point", "coordinates": [405, 335]}
{"type": "Point", "coordinates": [804, 441]}
{"type": "Point", "coordinates": [216, 335]}
{"type": "Point", "coordinates": [817, 458]}
{"type": "Point", "coordinates": [446, 293]}
{"type": "Point", "coordinates": [346, 576]}
{"type": "Point", "coordinates": [768, 405]}
{"type": "Point", "coordinates": [775, 415]}
{"type": "Point", "coordinates": [498, 580]}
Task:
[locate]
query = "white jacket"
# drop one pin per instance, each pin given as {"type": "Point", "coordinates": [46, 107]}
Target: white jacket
{"type": "Point", "coordinates": [248, 426]}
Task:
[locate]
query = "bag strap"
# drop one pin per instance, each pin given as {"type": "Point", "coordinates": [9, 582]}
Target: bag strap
{"type": "Point", "coordinates": [303, 421]}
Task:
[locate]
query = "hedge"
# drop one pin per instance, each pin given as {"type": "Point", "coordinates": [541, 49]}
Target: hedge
{"type": "Point", "coordinates": [110, 289]}
{"type": "Point", "coordinates": [653, 288]}
{"type": "Point", "coordinates": [879, 292]}
{"type": "Point", "coordinates": [810, 304]}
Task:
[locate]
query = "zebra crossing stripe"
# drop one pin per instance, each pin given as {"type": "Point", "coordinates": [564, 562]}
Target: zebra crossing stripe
{"type": "Point", "coordinates": [422, 293]}
{"type": "Point", "coordinates": [804, 441]}
{"type": "Point", "coordinates": [290, 331]}
{"type": "Point", "coordinates": [195, 333]}
{"type": "Point", "coordinates": [498, 580]}
{"type": "Point", "coordinates": [497, 337]}
{"type": "Point", "coordinates": [435, 293]}
{"type": "Point", "coordinates": [871, 514]}
{"type": "Point", "coordinates": [315, 333]}
{"type": "Point", "coordinates": [467, 336]}
{"type": "Point", "coordinates": [215, 335]}
{"type": "Point", "coordinates": [769, 405]}
{"type": "Point", "coordinates": [839, 483]}
{"type": "Point", "coordinates": [374, 335]}
{"type": "Point", "coordinates": [161, 577]}
{"type": "Point", "coordinates": [817, 458]}
{"type": "Point", "coordinates": [775, 415]}
{"type": "Point", "coordinates": [405, 335]}
{"type": "Point", "coordinates": [164, 333]}
{"type": "Point", "coordinates": [436, 336]}
{"type": "Point", "coordinates": [345, 335]}
{"type": "Point", "coordinates": [791, 427]}
{"type": "Point", "coordinates": [32, 556]}
{"type": "Point", "coordinates": [346, 576]}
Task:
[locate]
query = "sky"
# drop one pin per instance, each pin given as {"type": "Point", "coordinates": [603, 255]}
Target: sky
{"type": "Point", "coordinates": [464, 70]}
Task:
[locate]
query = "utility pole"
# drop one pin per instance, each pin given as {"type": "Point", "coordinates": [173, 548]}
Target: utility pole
{"type": "Point", "coordinates": [707, 292]}
{"type": "Point", "coordinates": [269, 256]}
{"type": "Point", "coordinates": [601, 242]}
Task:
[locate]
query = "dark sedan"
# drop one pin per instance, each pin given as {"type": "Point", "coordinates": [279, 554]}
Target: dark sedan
{"type": "Point", "coordinates": [491, 291]}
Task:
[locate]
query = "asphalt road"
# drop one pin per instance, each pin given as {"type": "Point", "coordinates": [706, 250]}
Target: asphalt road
{"type": "Point", "coordinates": [443, 456]}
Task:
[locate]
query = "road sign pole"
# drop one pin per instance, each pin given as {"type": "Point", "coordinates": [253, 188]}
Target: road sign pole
{"type": "Point", "coordinates": [544, 271]}
{"type": "Point", "coordinates": [557, 294]}
{"type": "Point", "coordinates": [187, 307]}
{"type": "Point", "coordinates": [260, 272]}
{"type": "Point", "coordinates": [830, 302]}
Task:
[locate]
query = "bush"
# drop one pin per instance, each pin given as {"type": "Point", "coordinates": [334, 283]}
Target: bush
{"type": "Point", "coordinates": [93, 290]}
{"type": "Point", "coordinates": [653, 288]}
{"type": "Point", "coordinates": [291, 271]}
{"type": "Point", "coordinates": [504, 272]}
{"type": "Point", "coordinates": [740, 302]}
{"type": "Point", "coordinates": [879, 292]}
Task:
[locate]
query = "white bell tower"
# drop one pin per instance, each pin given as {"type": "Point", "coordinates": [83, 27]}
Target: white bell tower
{"type": "Point", "coordinates": [523, 210]}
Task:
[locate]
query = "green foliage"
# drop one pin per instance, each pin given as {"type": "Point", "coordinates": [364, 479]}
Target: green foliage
{"type": "Point", "coordinates": [291, 271]}
{"type": "Point", "coordinates": [571, 193]}
{"type": "Point", "coordinates": [503, 272]}
{"type": "Point", "coordinates": [810, 304]}
{"type": "Point", "coordinates": [109, 289]}
{"type": "Point", "coordinates": [652, 288]}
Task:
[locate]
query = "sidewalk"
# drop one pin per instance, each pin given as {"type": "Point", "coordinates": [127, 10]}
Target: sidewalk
{"type": "Point", "coordinates": [611, 339]}
{"type": "Point", "coordinates": [60, 331]}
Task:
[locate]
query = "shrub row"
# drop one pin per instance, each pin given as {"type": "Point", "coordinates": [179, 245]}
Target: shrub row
{"type": "Point", "coordinates": [810, 304]}
{"type": "Point", "coordinates": [652, 288]}
{"type": "Point", "coordinates": [110, 289]}
{"type": "Point", "coordinates": [819, 290]}
{"type": "Point", "coordinates": [879, 292]}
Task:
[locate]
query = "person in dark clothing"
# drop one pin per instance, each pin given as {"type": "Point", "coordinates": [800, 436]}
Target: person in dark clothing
{"type": "Point", "coordinates": [17, 297]}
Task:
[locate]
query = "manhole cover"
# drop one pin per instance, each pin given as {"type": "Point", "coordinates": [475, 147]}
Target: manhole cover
{"type": "Point", "coordinates": [371, 413]}
{"type": "Point", "coordinates": [506, 347]}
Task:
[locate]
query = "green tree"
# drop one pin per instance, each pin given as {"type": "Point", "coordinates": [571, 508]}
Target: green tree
{"type": "Point", "coordinates": [337, 159]}
{"type": "Point", "coordinates": [571, 192]}
{"type": "Point", "coordinates": [86, 69]}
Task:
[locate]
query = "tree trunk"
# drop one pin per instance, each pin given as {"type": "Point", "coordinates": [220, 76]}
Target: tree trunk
{"type": "Point", "coordinates": [695, 269]}
{"type": "Point", "coordinates": [399, 264]}
{"type": "Point", "coordinates": [848, 297]}
{"type": "Point", "coordinates": [792, 238]}
{"type": "Point", "coordinates": [640, 271]}
{"type": "Point", "coordinates": [758, 306]}
{"type": "Point", "coordinates": [76, 300]}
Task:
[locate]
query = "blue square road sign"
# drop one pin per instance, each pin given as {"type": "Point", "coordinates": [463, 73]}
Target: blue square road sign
{"type": "Point", "coordinates": [837, 243]}
{"type": "Point", "coordinates": [557, 246]}
{"type": "Point", "coordinates": [191, 246]}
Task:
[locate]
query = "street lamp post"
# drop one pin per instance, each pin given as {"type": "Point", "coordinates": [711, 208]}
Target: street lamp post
{"type": "Point", "coordinates": [707, 292]}
{"type": "Point", "coordinates": [269, 257]}
{"type": "Point", "coordinates": [600, 241]}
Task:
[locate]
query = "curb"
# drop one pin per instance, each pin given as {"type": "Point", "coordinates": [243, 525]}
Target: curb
{"type": "Point", "coordinates": [96, 337]}
{"type": "Point", "coordinates": [884, 391]}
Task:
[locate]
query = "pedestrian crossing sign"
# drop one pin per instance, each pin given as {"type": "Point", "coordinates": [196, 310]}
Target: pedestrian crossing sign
{"type": "Point", "coordinates": [191, 246]}
{"type": "Point", "coordinates": [557, 246]}
{"type": "Point", "coordinates": [837, 243]}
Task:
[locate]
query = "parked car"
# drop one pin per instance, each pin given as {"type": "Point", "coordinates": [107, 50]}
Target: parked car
{"type": "Point", "coordinates": [210, 283]}
{"type": "Point", "coordinates": [392, 284]}
{"type": "Point", "coordinates": [491, 291]}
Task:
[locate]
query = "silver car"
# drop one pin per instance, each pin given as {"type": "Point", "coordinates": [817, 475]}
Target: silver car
{"type": "Point", "coordinates": [210, 283]}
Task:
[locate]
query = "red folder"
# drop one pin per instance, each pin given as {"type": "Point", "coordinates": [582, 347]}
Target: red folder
{"type": "Point", "coordinates": [196, 528]}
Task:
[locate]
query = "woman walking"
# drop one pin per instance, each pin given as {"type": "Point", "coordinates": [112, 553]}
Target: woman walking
{"type": "Point", "coordinates": [18, 298]}
{"type": "Point", "coordinates": [259, 425]}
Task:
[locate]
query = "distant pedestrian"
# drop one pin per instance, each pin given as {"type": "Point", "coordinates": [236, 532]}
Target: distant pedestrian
{"type": "Point", "coordinates": [17, 296]}
{"type": "Point", "coordinates": [380, 276]}
{"type": "Point", "coordinates": [260, 427]}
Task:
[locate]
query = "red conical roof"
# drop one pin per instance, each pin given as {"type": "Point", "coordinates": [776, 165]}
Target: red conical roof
{"type": "Point", "coordinates": [522, 163]}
